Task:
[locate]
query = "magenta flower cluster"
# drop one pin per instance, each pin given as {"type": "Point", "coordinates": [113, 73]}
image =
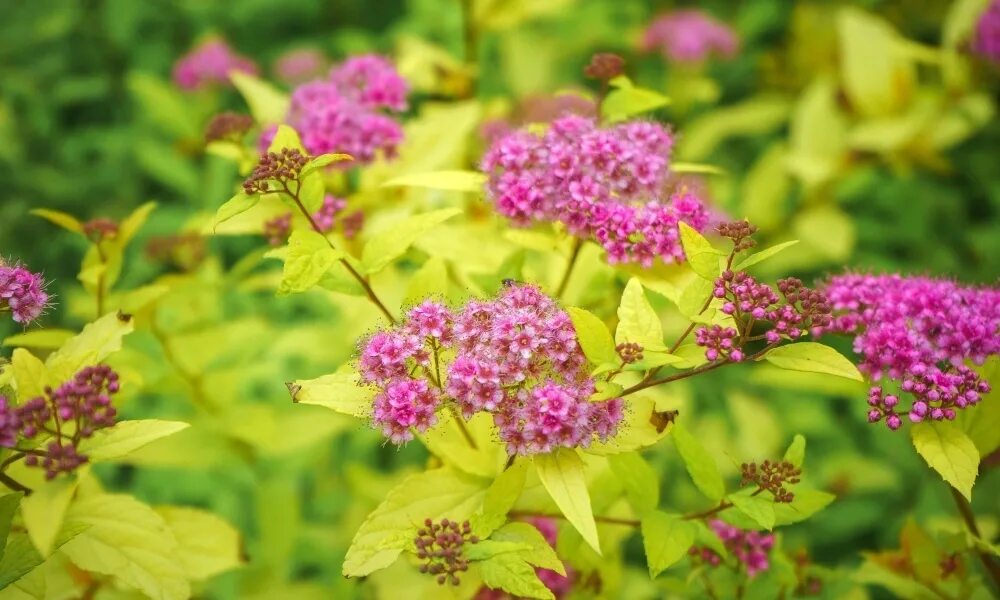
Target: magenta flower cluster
{"type": "Point", "coordinates": [750, 303]}
{"type": "Point", "coordinates": [515, 357]}
{"type": "Point", "coordinates": [601, 183]}
{"type": "Point", "coordinates": [64, 416]}
{"type": "Point", "coordinates": [346, 112]}
{"type": "Point", "coordinates": [210, 64]}
{"type": "Point", "coordinates": [689, 36]}
{"type": "Point", "coordinates": [327, 218]}
{"type": "Point", "coordinates": [22, 293]}
{"type": "Point", "coordinates": [751, 548]}
{"type": "Point", "coordinates": [539, 108]}
{"type": "Point", "coordinates": [986, 40]}
{"type": "Point", "coordinates": [920, 334]}
{"type": "Point", "coordinates": [300, 65]}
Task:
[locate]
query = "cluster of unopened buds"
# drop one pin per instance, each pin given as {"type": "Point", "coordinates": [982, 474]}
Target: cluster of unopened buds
{"type": "Point", "coordinates": [605, 66]}
{"type": "Point", "coordinates": [441, 547]}
{"type": "Point", "coordinates": [751, 548]}
{"type": "Point", "coordinates": [515, 357]}
{"type": "Point", "coordinates": [22, 292]}
{"type": "Point", "coordinates": [277, 230]}
{"type": "Point", "coordinates": [64, 416]}
{"type": "Point", "coordinates": [228, 126]}
{"type": "Point", "coordinates": [917, 337]}
{"type": "Point", "coordinates": [282, 167]}
{"type": "Point", "coordinates": [629, 352]}
{"type": "Point", "coordinates": [100, 229]}
{"type": "Point", "coordinates": [771, 476]}
{"type": "Point", "coordinates": [607, 184]}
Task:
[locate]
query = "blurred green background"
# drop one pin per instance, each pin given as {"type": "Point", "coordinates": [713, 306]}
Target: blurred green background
{"type": "Point", "coordinates": [90, 124]}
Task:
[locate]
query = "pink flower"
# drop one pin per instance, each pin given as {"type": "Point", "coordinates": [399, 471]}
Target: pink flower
{"type": "Point", "coordinates": [689, 36]}
{"type": "Point", "coordinates": [986, 40]}
{"type": "Point", "coordinates": [22, 293]}
{"type": "Point", "coordinates": [603, 184]}
{"type": "Point", "coordinates": [208, 64]}
{"type": "Point", "coordinates": [299, 66]}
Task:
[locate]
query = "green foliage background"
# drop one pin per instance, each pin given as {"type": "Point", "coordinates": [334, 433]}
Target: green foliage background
{"type": "Point", "coordinates": [82, 130]}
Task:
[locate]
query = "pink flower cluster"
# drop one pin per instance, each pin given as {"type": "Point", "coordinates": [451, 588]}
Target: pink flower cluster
{"type": "Point", "coordinates": [750, 302]}
{"type": "Point", "coordinates": [278, 229]}
{"type": "Point", "coordinates": [751, 548]}
{"type": "Point", "coordinates": [209, 64]}
{"type": "Point", "coordinates": [539, 109]}
{"type": "Point", "coordinates": [22, 293]}
{"type": "Point", "coordinates": [601, 183]}
{"type": "Point", "coordinates": [689, 36]}
{"type": "Point", "coordinates": [920, 333]}
{"type": "Point", "coordinates": [84, 402]}
{"type": "Point", "coordinates": [346, 111]}
{"type": "Point", "coordinates": [299, 66]}
{"type": "Point", "coordinates": [515, 357]}
{"type": "Point", "coordinates": [986, 41]}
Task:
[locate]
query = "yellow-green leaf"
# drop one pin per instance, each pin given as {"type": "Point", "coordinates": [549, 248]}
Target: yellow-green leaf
{"type": "Point", "coordinates": [339, 391]}
{"type": "Point", "coordinates": [700, 466]}
{"type": "Point", "coordinates": [796, 452]}
{"type": "Point", "coordinates": [688, 167]}
{"type": "Point", "coordinates": [814, 358]}
{"type": "Point", "coordinates": [309, 257]}
{"type": "Point", "coordinates": [540, 553]}
{"type": "Point", "coordinates": [666, 539]}
{"type": "Point", "coordinates": [642, 486]}
{"type": "Point", "coordinates": [286, 137]}
{"type": "Point", "coordinates": [208, 544]}
{"type": "Point", "coordinates": [267, 104]}
{"type": "Point", "coordinates": [500, 497]}
{"type": "Point", "coordinates": [594, 337]}
{"type": "Point", "coordinates": [703, 258]}
{"type": "Point", "coordinates": [760, 509]}
{"type": "Point", "coordinates": [949, 452]}
{"type": "Point", "coordinates": [92, 345]}
{"type": "Point", "coordinates": [388, 245]}
{"type": "Point", "coordinates": [627, 100]}
{"type": "Point", "coordinates": [764, 254]}
{"type": "Point", "coordinates": [30, 374]}
{"type": "Point", "coordinates": [460, 181]}
{"type": "Point", "coordinates": [511, 573]}
{"type": "Point", "coordinates": [637, 321]}
{"type": "Point", "coordinates": [238, 204]}
{"type": "Point", "coordinates": [44, 511]}
{"type": "Point", "coordinates": [64, 220]}
{"type": "Point", "coordinates": [430, 281]}
{"type": "Point", "coordinates": [561, 472]}
{"type": "Point", "coordinates": [41, 338]}
{"type": "Point", "coordinates": [125, 437]}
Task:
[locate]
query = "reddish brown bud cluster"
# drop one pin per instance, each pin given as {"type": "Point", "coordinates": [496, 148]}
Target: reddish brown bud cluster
{"type": "Point", "coordinates": [772, 476]}
{"type": "Point", "coordinates": [813, 305]}
{"type": "Point", "coordinates": [281, 166]}
{"type": "Point", "coordinates": [605, 66]}
{"type": "Point", "coordinates": [441, 545]}
{"type": "Point", "coordinates": [100, 229]}
{"type": "Point", "coordinates": [629, 352]}
{"type": "Point", "coordinates": [228, 126]}
{"type": "Point", "coordinates": [739, 232]}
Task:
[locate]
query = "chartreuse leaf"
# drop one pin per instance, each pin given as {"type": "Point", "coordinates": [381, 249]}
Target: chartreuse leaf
{"type": "Point", "coordinates": [627, 100]}
{"type": "Point", "coordinates": [701, 255]}
{"type": "Point", "coordinates": [40, 338]}
{"type": "Point", "coordinates": [286, 137]}
{"type": "Point", "coordinates": [763, 255]}
{"type": "Point", "coordinates": [686, 167]}
{"type": "Point", "coordinates": [642, 486]}
{"type": "Point", "coordinates": [20, 556]}
{"type": "Point", "coordinates": [759, 508]}
{"type": "Point", "coordinates": [700, 466]}
{"type": "Point", "coordinates": [92, 345]}
{"type": "Point", "coordinates": [388, 245]}
{"type": "Point", "coordinates": [125, 437]}
{"type": "Point", "coordinates": [637, 321]}
{"type": "Point", "coordinates": [324, 160]}
{"type": "Point", "coordinates": [796, 452]}
{"type": "Point", "coordinates": [641, 427]}
{"type": "Point", "coordinates": [309, 257]}
{"type": "Point", "coordinates": [44, 511]}
{"type": "Point", "coordinates": [436, 494]}
{"type": "Point", "coordinates": [814, 358]}
{"type": "Point", "coordinates": [131, 224]}
{"type": "Point", "coordinates": [8, 506]}
{"type": "Point", "coordinates": [500, 497]}
{"type": "Point", "coordinates": [237, 205]}
{"type": "Point", "coordinates": [805, 504]}
{"type": "Point", "coordinates": [594, 337]}
{"type": "Point", "coordinates": [486, 549]}
{"type": "Point", "coordinates": [430, 281]}
{"type": "Point", "coordinates": [539, 552]}
{"type": "Point", "coordinates": [981, 422]}
{"type": "Point", "coordinates": [30, 374]}
{"type": "Point", "coordinates": [267, 103]}
{"type": "Point", "coordinates": [208, 544]}
{"type": "Point", "coordinates": [666, 539]}
{"type": "Point", "coordinates": [561, 472]}
{"type": "Point", "coordinates": [64, 220]}
{"type": "Point", "coordinates": [513, 574]}
{"type": "Point", "coordinates": [128, 541]}
{"type": "Point", "coordinates": [337, 391]}
{"type": "Point", "coordinates": [460, 181]}
{"type": "Point", "coordinates": [693, 297]}
{"type": "Point", "coordinates": [949, 452]}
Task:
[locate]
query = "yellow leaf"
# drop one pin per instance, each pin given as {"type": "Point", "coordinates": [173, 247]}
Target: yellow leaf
{"type": "Point", "coordinates": [562, 474]}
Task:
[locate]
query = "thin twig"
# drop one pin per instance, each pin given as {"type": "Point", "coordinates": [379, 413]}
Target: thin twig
{"type": "Point", "coordinates": [14, 484]}
{"type": "Point", "coordinates": [461, 427]}
{"type": "Point", "coordinates": [573, 254]}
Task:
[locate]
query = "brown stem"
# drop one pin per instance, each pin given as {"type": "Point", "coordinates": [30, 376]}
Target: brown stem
{"type": "Point", "coordinates": [647, 383]}
{"type": "Point", "coordinates": [100, 280]}
{"type": "Point", "coordinates": [965, 509]}
{"type": "Point", "coordinates": [524, 514]}
{"type": "Point", "coordinates": [14, 484]}
{"type": "Point", "coordinates": [708, 513]}
{"type": "Point", "coordinates": [354, 273]}
{"type": "Point", "coordinates": [573, 254]}
{"type": "Point", "coordinates": [461, 427]}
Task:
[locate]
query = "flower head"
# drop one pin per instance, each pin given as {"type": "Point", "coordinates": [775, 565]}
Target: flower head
{"type": "Point", "coordinates": [689, 36]}
{"type": "Point", "coordinates": [208, 64]}
{"type": "Point", "coordinates": [986, 40]}
{"type": "Point", "coordinates": [300, 65]}
{"type": "Point", "coordinates": [917, 333]}
{"type": "Point", "coordinates": [751, 548]}
{"type": "Point", "coordinates": [22, 293]}
{"type": "Point", "coordinates": [228, 126]}
{"type": "Point", "coordinates": [603, 184]}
